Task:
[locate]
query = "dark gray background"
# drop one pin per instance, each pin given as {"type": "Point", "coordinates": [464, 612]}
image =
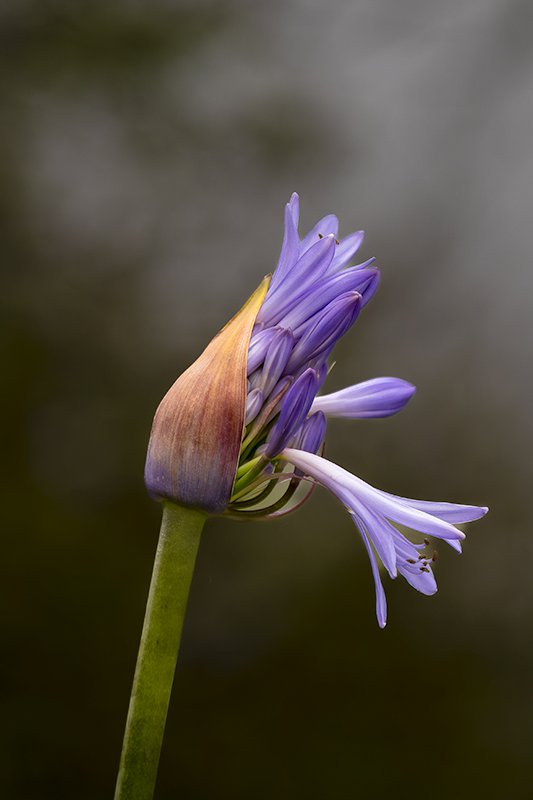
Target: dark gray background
{"type": "Point", "coordinates": [147, 151]}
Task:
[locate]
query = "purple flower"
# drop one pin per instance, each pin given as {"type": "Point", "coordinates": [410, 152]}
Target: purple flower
{"type": "Point", "coordinates": [371, 510]}
{"type": "Point", "coordinates": [266, 425]}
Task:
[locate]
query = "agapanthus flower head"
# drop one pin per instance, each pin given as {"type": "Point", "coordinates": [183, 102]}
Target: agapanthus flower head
{"type": "Point", "coordinates": [242, 431]}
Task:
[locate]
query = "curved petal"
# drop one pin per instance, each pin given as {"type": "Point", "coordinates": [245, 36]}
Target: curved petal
{"type": "Point", "coordinates": [310, 435]}
{"type": "Point", "coordinates": [379, 397]}
{"type": "Point", "coordinates": [381, 600]}
{"type": "Point", "coordinates": [411, 564]}
{"type": "Point", "coordinates": [345, 251]}
{"type": "Point", "coordinates": [294, 411]}
{"type": "Point", "coordinates": [306, 304]}
{"type": "Point", "coordinates": [329, 326]}
{"type": "Point", "coordinates": [309, 269]}
{"type": "Point", "coordinates": [341, 482]}
{"type": "Point", "coordinates": [290, 249]}
{"type": "Point", "coordinates": [450, 512]}
{"type": "Point", "coordinates": [424, 582]}
{"type": "Point", "coordinates": [277, 355]}
{"type": "Point", "coordinates": [254, 401]}
{"type": "Point", "coordinates": [257, 351]}
{"type": "Point", "coordinates": [327, 226]}
{"type": "Point", "coordinates": [379, 532]}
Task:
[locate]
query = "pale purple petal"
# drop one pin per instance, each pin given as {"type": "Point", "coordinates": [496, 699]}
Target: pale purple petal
{"type": "Point", "coordinates": [327, 226]}
{"type": "Point", "coordinates": [278, 353]}
{"type": "Point", "coordinates": [295, 409]}
{"type": "Point", "coordinates": [290, 250]}
{"type": "Point", "coordinates": [379, 531]}
{"type": "Point", "coordinates": [309, 269]}
{"type": "Point", "coordinates": [254, 401]}
{"type": "Point", "coordinates": [258, 348]}
{"type": "Point", "coordinates": [423, 582]}
{"type": "Point", "coordinates": [306, 304]}
{"type": "Point", "coordinates": [381, 601]}
{"type": "Point", "coordinates": [337, 479]}
{"type": "Point", "coordinates": [345, 251]}
{"type": "Point", "coordinates": [450, 512]}
{"type": "Point", "coordinates": [311, 433]}
{"type": "Point", "coordinates": [294, 205]}
{"type": "Point", "coordinates": [414, 574]}
{"type": "Point", "coordinates": [322, 335]}
{"type": "Point", "coordinates": [379, 397]}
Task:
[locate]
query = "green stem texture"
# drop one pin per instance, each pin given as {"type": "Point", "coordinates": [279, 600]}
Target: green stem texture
{"type": "Point", "coordinates": [174, 564]}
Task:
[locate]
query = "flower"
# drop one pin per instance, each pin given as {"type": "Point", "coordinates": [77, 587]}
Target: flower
{"type": "Point", "coordinates": [242, 431]}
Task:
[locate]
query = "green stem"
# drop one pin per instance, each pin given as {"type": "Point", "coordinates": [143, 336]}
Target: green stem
{"type": "Point", "coordinates": [174, 564]}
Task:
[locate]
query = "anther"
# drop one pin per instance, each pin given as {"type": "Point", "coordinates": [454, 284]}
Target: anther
{"type": "Point", "coordinates": [424, 569]}
{"type": "Point", "coordinates": [426, 541]}
{"type": "Point", "coordinates": [410, 560]}
{"type": "Point", "coordinates": [434, 556]}
{"type": "Point", "coordinates": [320, 236]}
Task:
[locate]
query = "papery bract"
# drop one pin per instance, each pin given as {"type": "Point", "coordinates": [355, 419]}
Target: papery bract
{"type": "Point", "coordinates": [196, 435]}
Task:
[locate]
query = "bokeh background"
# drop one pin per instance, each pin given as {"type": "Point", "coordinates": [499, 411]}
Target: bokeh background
{"type": "Point", "coordinates": [147, 151]}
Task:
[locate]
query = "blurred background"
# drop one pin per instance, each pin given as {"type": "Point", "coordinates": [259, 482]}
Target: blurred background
{"type": "Point", "coordinates": [147, 152]}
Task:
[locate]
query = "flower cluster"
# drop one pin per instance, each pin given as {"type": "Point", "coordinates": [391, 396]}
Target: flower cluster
{"type": "Point", "coordinates": [287, 331]}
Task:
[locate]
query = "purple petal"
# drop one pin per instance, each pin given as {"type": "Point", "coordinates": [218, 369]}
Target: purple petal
{"type": "Point", "coordinates": [307, 304]}
{"type": "Point", "coordinates": [345, 251]}
{"type": "Point", "coordinates": [450, 512]}
{"type": "Point", "coordinates": [381, 601]}
{"type": "Point", "coordinates": [295, 409]}
{"type": "Point", "coordinates": [290, 249]}
{"type": "Point", "coordinates": [276, 358]}
{"type": "Point", "coordinates": [311, 433]}
{"type": "Point", "coordinates": [294, 205]}
{"type": "Point", "coordinates": [379, 397]}
{"type": "Point", "coordinates": [330, 325]}
{"type": "Point", "coordinates": [345, 485]}
{"type": "Point", "coordinates": [254, 401]}
{"type": "Point", "coordinates": [327, 226]}
{"type": "Point", "coordinates": [379, 531]}
{"type": "Point", "coordinates": [419, 573]}
{"type": "Point", "coordinates": [423, 582]}
{"type": "Point", "coordinates": [258, 348]}
{"type": "Point", "coordinates": [309, 269]}
{"type": "Point", "coordinates": [406, 552]}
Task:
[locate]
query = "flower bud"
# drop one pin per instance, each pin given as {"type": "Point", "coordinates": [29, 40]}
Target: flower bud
{"type": "Point", "coordinates": [196, 435]}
